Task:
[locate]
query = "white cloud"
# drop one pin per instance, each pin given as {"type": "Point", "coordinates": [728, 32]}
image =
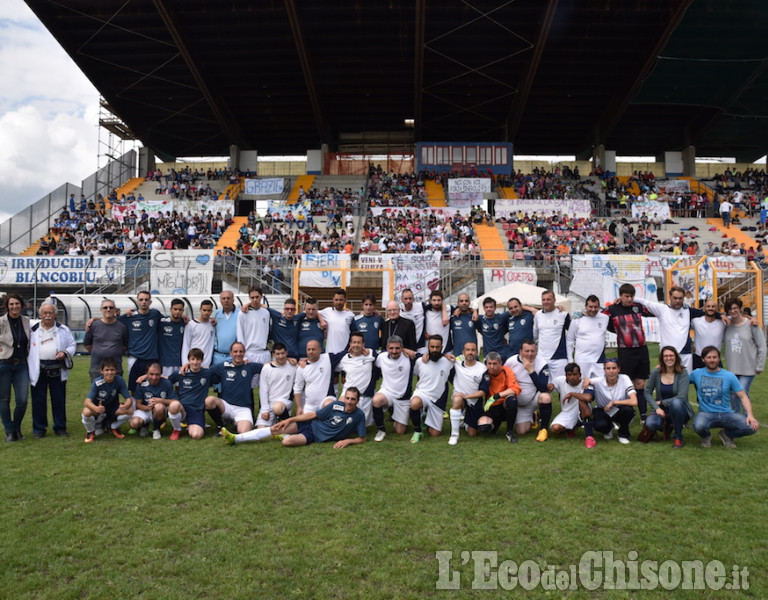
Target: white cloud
{"type": "Point", "coordinates": [48, 112]}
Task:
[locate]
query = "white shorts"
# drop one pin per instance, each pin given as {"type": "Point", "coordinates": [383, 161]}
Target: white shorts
{"type": "Point", "coordinates": [257, 356]}
{"type": "Point", "coordinates": [236, 413]}
{"type": "Point", "coordinates": [525, 411]}
{"type": "Point", "coordinates": [590, 369]}
{"type": "Point", "coordinates": [556, 367]}
{"type": "Point", "coordinates": [144, 415]}
{"type": "Point", "coordinates": [434, 418]}
{"type": "Point", "coordinates": [687, 360]}
{"type": "Point", "coordinates": [366, 405]}
{"type": "Point", "coordinates": [389, 395]}
{"type": "Point", "coordinates": [168, 371]}
{"type": "Point", "coordinates": [569, 415]}
{"type": "Point", "coordinates": [271, 420]}
{"type": "Point", "coordinates": [316, 405]}
{"type": "Point", "coordinates": [402, 411]}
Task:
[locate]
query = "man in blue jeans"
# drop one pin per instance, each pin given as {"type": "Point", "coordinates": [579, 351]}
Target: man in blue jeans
{"type": "Point", "coordinates": [713, 389]}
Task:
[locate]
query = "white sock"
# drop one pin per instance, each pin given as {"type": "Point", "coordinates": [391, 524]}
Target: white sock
{"type": "Point", "coordinates": [119, 420]}
{"type": "Point", "coordinates": [175, 420]}
{"type": "Point", "coordinates": [254, 435]}
{"type": "Point", "coordinates": [90, 424]}
{"type": "Point", "coordinates": [455, 415]}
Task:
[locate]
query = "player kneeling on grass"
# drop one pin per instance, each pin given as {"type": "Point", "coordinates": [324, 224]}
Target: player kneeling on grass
{"type": "Point", "coordinates": [153, 395]}
{"type": "Point", "coordinates": [501, 403]}
{"type": "Point", "coordinates": [102, 405]}
{"type": "Point", "coordinates": [431, 390]}
{"type": "Point", "coordinates": [335, 421]}
{"type": "Point", "coordinates": [235, 403]}
{"type": "Point", "coordinates": [575, 404]}
{"type": "Point", "coordinates": [192, 389]}
{"type": "Point", "coordinates": [470, 386]}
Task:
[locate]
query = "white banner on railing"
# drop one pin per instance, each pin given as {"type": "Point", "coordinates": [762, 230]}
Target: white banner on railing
{"type": "Point", "coordinates": [263, 187]}
{"type": "Point", "coordinates": [61, 270]}
{"type": "Point", "coordinates": [581, 209]}
{"type": "Point", "coordinates": [181, 272]}
{"type": "Point", "coordinates": [418, 272]}
{"type": "Point", "coordinates": [325, 270]}
{"type": "Point", "coordinates": [651, 209]}
{"type": "Point", "coordinates": [156, 208]}
{"type": "Point", "coordinates": [468, 189]}
{"type": "Point", "coordinates": [496, 278]}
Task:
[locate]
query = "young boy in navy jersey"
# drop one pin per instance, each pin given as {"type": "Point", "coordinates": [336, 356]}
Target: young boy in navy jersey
{"type": "Point", "coordinates": [192, 388]}
{"type": "Point", "coordinates": [102, 405]}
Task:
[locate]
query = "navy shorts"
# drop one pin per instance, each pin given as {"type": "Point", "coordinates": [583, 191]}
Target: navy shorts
{"type": "Point", "coordinates": [195, 417]}
{"type": "Point", "coordinates": [473, 413]}
{"type": "Point", "coordinates": [305, 429]}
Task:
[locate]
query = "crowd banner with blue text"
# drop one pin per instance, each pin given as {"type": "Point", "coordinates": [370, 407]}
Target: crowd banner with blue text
{"type": "Point", "coordinates": [158, 208]}
{"type": "Point", "coordinates": [61, 270]}
{"type": "Point", "coordinates": [652, 209]}
{"type": "Point", "coordinates": [581, 209]}
{"type": "Point", "coordinates": [181, 272]}
{"type": "Point", "coordinates": [468, 188]}
{"type": "Point", "coordinates": [324, 270]}
{"type": "Point", "coordinates": [264, 187]}
{"type": "Point", "coordinates": [418, 272]}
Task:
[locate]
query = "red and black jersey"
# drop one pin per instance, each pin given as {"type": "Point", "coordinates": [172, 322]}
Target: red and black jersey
{"type": "Point", "coordinates": [627, 323]}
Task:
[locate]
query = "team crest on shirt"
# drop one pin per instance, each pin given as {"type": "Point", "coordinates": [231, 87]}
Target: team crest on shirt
{"type": "Point", "coordinates": [232, 374]}
{"type": "Point", "coordinates": [186, 382]}
{"type": "Point", "coordinates": [137, 325]}
{"type": "Point", "coordinates": [168, 330]}
{"type": "Point", "coordinates": [400, 369]}
{"type": "Point", "coordinates": [522, 321]}
{"type": "Point", "coordinates": [495, 325]}
{"type": "Point", "coordinates": [203, 382]}
{"type": "Point", "coordinates": [376, 325]}
{"type": "Point", "coordinates": [102, 393]}
{"type": "Point", "coordinates": [244, 373]}
{"type": "Point", "coordinates": [349, 420]}
{"type": "Point", "coordinates": [635, 309]}
{"type": "Point", "coordinates": [151, 322]}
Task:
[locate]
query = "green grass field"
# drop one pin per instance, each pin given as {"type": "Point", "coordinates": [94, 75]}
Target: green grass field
{"type": "Point", "coordinates": [157, 519]}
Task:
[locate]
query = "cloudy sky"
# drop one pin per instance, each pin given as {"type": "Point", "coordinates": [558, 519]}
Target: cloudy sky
{"type": "Point", "coordinates": [48, 112]}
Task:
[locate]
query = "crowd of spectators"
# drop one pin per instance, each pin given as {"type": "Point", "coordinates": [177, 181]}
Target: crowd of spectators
{"type": "Point", "coordinates": [329, 201]}
{"type": "Point", "coordinates": [416, 231]}
{"type": "Point", "coordinates": [91, 233]}
{"type": "Point", "coordinates": [396, 190]}
{"type": "Point", "coordinates": [273, 235]}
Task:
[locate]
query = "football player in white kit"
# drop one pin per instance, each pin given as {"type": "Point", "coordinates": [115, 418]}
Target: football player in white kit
{"type": "Point", "coordinates": [550, 326]}
{"type": "Point", "coordinates": [470, 386]}
{"type": "Point", "coordinates": [253, 330]}
{"type": "Point", "coordinates": [585, 341]}
{"type": "Point", "coordinates": [395, 390]}
{"type": "Point", "coordinates": [276, 390]}
{"type": "Point", "coordinates": [357, 366]}
{"type": "Point", "coordinates": [433, 370]}
{"type": "Point", "coordinates": [532, 375]}
{"type": "Point", "coordinates": [575, 404]}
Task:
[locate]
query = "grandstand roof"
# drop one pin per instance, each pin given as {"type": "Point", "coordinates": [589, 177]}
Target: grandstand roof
{"type": "Point", "coordinates": [192, 77]}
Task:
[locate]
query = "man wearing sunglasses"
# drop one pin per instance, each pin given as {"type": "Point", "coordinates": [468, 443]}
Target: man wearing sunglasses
{"type": "Point", "coordinates": [106, 338]}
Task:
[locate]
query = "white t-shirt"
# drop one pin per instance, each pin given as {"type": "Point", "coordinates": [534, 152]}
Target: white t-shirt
{"type": "Point", "coordinates": [358, 371]}
{"type": "Point", "coordinates": [549, 329]}
{"type": "Point", "coordinates": [253, 329]}
{"type": "Point", "coordinates": [315, 381]}
{"type": "Point", "coordinates": [528, 389]}
{"type": "Point", "coordinates": [466, 380]}
{"type": "Point", "coordinates": [416, 314]}
{"type": "Point", "coordinates": [708, 334]}
{"type": "Point", "coordinates": [586, 338]}
{"type": "Point", "coordinates": [433, 377]}
{"type": "Point", "coordinates": [339, 322]}
{"type": "Point", "coordinates": [199, 335]}
{"type": "Point", "coordinates": [276, 384]}
{"type": "Point", "coordinates": [605, 393]}
{"type": "Point", "coordinates": [563, 389]}
{"type": "Point", "coordinates": [395, 374]}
